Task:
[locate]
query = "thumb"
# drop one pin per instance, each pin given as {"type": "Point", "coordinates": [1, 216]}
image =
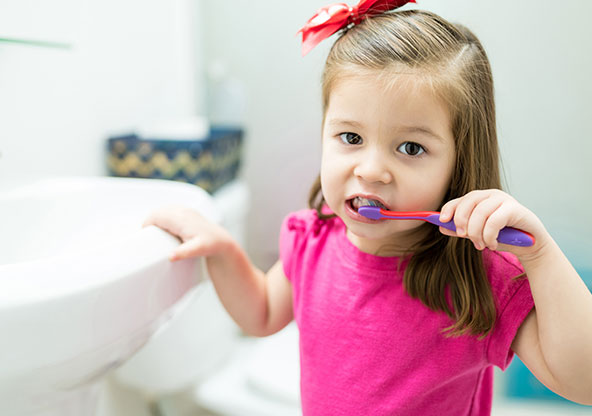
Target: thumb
{"type": "Point", "coordinates": [448, 232]}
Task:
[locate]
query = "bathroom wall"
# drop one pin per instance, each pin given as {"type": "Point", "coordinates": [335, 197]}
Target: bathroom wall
{"type": "Point", "coordinates": [126, 63]}
{"type": "Point", "coordinates": [257, 44]}
{"type": "Point", "coordinates": [134, 62]}
{"type": "Point", "coordinates": [539, 51]}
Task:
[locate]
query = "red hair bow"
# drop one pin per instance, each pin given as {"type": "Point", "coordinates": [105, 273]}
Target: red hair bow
{"type": "Point", "coordinates": [330, 19]}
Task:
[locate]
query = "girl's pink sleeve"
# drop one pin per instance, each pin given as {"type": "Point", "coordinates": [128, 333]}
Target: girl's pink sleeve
{"type": "Point", "coordinates": [292, 239]}
{"type": "Point", "coordinates": [513, 302]}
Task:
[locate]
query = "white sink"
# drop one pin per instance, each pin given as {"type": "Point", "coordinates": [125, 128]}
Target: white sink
{"type": "Point", "coordinates": [83, 286]}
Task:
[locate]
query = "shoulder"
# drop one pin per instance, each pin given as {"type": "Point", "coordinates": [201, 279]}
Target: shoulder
{"type": "Point", "coordinates": [513, 300]}
{"type": "Point", "coordinates": [306, 222]}
{"type": "Point", "coordinates": [300, 221]}
{"type": "Point", "coordinates": [303, 235]}
{"type": "Point", "coordinates": [506, 276]}
{"type": "Point", "coordinates": [501, 263]}
{"type": "Point", "coordinates": [503, 270]}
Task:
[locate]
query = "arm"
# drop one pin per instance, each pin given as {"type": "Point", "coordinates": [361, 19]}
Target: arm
{"type": "Point", "coordinates": [555, 340]}
{"type": "Point", "coordinates": [260, 303]}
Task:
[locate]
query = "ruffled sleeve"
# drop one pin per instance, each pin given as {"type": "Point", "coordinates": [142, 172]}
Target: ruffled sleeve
{"type": "Point", "coordinates": [293, 234]}
{"type": "Point", "coordinates": [513, 302]}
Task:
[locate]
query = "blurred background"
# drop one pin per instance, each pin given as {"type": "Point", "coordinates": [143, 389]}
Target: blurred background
{"type": "Point", "coordinates": [74, 73]}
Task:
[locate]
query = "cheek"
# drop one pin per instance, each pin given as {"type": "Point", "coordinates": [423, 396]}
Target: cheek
{"type": "Point", "coordinates": [440, 183]}
{"type": "Point", "coordinates": [326, 177]}
{"type": "Point", "coordinates": [425, 192]}
{"type": "Point", "coordinates": [332, 180]}
{"type": "Point", "coordinates": [446, 175]}
{"type": "Point", "coordinates": [330, 163]}
{"type": "Point", "coordinates": [328, 181]}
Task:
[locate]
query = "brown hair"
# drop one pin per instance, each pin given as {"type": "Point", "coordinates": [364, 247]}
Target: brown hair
{"type": "Point", "coordinates": [446, 274]}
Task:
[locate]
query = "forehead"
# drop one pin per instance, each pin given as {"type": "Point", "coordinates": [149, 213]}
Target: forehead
{"type": "Point", "coordinates": [392, 81]}
{"type": "Point", "coordinates": [393, 100]}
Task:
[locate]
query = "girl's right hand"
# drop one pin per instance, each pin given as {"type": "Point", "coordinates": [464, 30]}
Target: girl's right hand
{"type": "Point", "coordinates": [199, 237]}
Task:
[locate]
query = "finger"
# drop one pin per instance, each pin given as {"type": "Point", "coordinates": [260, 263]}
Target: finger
{"type": "Point", "coordinates": [496, 221]}
{"type": "Point", "coordinates": [170, 222]}
{"type": "Point", "coordinates": [478, 219]}
{"type": "Point", "coordinates": [148, 222]}
{"type": "Point", "coordinates": [164, 217]}
{"type": "Point", "coordinates": [464, 209]}
{"type": "Point", "coordinates": [447, 211]}
{"type": "Point", "coordinates": [192, 248]}
{"type": "Point", "coordinates": [157, 218]}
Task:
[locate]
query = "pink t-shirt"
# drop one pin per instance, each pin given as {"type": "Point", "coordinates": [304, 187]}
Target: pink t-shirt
{"type": "Point", "coordinates": [368, 348]}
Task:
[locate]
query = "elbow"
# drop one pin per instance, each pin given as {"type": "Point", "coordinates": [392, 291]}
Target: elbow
{"type": "Point", "coordinates": [258, 328]}
{"type": "Point", "coordinates": [585, 398]}
{"type": "Point", "coordinates": [257, 332]}
{"type": "Point", "coordinates": [586, 401]}
{"type": "Point", "coordinates": [580, 393]}
{"type": "Point", "coordinates": [254, 330]}
{"type": "Point", "coordinates": [267, 328]}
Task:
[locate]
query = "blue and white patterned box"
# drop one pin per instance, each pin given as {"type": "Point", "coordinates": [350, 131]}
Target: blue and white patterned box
{"type": "Point", "coordinates": [208, 163]}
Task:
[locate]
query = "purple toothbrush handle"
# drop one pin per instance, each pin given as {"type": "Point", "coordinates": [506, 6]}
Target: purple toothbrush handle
{"type": "Point", "coordinates": [507, 235]}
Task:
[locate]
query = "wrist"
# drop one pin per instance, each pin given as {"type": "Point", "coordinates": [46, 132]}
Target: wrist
{"type": "Point", "coordinates": [543, 247]}
{"type": "Point", "coordinates": [225, 248]}
{"type": "Point", "coordinates": [227, 256]}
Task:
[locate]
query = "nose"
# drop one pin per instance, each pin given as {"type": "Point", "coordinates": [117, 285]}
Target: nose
{"type": "Point", "coordinates": [374, 167]}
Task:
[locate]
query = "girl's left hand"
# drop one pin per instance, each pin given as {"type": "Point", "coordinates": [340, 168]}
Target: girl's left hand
{"type": "Point", "coordinates": [480, 215]}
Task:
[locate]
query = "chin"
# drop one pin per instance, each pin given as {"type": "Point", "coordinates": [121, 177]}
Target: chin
{"type": "Point", "coordinates": [383, 230]}
{"type": "Point", "coordinates": [367, 231]}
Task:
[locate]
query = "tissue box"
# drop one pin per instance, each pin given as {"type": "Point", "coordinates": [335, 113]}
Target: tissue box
{"type": "Point", "coordinates": [208, 163]}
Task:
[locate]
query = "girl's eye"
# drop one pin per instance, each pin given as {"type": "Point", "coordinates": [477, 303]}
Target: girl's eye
{"type": "Point", "coordinates": [411, 149]}
{"type": "Point", "coordinates": [350, 138]}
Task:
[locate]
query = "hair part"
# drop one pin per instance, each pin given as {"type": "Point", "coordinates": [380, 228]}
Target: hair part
{"type": "Point", "coordinates": [446, 274]}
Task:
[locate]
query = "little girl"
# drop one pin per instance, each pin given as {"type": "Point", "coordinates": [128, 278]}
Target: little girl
{"type": "Point", "coordinates": [402, 317]}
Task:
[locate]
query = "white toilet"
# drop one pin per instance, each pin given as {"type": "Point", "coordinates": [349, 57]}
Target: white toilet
{"type": "Point", "coordinates": [262, 375]}
{"type": "Point", "coordinates": [261, 379]}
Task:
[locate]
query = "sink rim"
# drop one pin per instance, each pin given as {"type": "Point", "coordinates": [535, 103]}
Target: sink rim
{"type": "Point", "coordinates": [146, 242]}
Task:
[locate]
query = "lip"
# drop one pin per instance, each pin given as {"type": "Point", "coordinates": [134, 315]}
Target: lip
{"type": "Point", "coordinates": [369, 196]}
{"type": "Point", "coordinates": [353, 214]}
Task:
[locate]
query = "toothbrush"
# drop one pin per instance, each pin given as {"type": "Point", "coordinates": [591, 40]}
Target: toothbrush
{"type": "Point", "coordinates": [507, 235]}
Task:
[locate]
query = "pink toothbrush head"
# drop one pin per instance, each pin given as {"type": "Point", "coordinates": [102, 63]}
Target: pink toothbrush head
{"type": "Point", "coordinates": [507, 235]}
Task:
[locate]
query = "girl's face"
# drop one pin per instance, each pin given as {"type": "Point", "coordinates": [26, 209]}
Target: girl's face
{"type": "Point", "coordinates": [391, 143]}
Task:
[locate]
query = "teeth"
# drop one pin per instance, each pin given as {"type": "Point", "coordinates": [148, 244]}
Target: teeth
{"type": "Point", "coordinates": [360, 202]}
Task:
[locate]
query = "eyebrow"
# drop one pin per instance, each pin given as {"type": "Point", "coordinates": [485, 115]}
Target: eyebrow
{"type": "Point", "coordinates": [421, 129]}
{"type": "Point", "coordinates": [338, 121]}
{"type": "Point", "coordinates": [407, 129]}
